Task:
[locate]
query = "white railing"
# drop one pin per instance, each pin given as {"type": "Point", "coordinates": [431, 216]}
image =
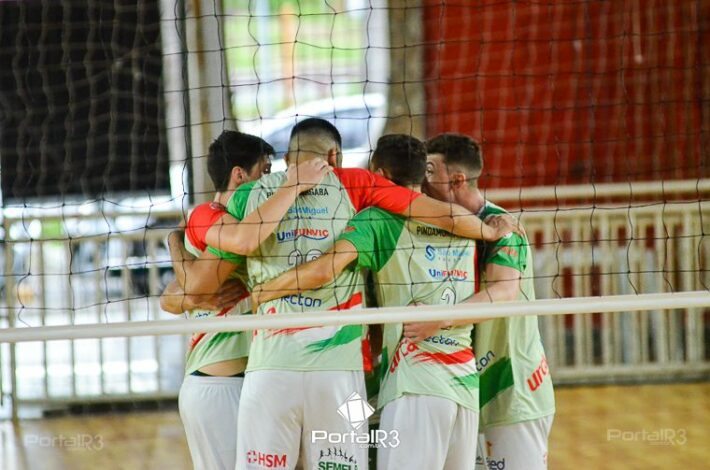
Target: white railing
{"type": "Point", "coordinates": [115, 274]}
{"type": "Point", "coordinates": [623, 250]}
{"type": "Point", "coordinates": [101, 268]}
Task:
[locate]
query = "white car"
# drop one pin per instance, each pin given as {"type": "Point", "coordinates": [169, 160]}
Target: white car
{"type": "Point", "coordinates": [359, 118]}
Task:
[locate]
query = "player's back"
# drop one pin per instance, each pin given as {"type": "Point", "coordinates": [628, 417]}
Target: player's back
{"type": "Point", "coordinates": [308, 229]}
{"type": "Point", "coordinates": [414, 262]}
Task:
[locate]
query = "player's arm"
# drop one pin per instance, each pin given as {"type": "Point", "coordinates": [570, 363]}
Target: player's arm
{"type": "Point", "coordinates": [245, 236]}
{"type": "Point", "coordinates": [367, 189]}
{"type": "Point", "coordinates": [172, 299]}
{"type": "Point", "coordinates": [197, 278]}
{"type": "Point", "coordinates": [308, 276]}
{"type": "Point", "coordinates": [186, 266]}
{"type": "Point", "coordinates": [457, 220]}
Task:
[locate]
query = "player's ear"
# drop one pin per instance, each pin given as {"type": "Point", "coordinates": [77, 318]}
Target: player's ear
{"type": "Point", "coordinates": [458, 180]}
{"type": "Point", "coordinates": [383, 172]}
{"type": "Point", "coordinates": [287, 159]}
{"type": "Point", "coordinates": [332, 158]}
{"type": "Point", "coordinates": [238, 176]}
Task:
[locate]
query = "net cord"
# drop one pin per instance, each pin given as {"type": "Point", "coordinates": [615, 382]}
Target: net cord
{"type": "Point", "coordinates": [463, 311]}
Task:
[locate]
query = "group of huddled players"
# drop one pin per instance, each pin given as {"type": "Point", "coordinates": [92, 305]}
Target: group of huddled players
{"type": "Point", "coordinates": [408, 231]}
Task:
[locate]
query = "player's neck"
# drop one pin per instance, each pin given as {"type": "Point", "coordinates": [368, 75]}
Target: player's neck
{"type": "Point", "coordinates": [417, 188]}
{"type": "Point", "coordinates": [223, 197]}
{"type": "Point", "coordinates": [471, 199]}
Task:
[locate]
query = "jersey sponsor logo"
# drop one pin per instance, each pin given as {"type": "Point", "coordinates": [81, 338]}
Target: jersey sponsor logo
{"type": "Point", "coordinates": [493, 464]}
{"type": "Point", "coordinates": [265, 460]}
{"type": "Point", "coordinates": [432, 231]}
{"type": "Point", "coordinates": [485, 361]}
{"type": "Point", "coordinates": [335, 458]}
{"type": "Point", "coordinates": [538, 376]}
{"type": "Point", "coordinates": [441, 339]}
{"type": "Point", "coordinates": [302, 300]}
{"type": "Point", "coordinates": [306, 210]}
{"type": "Point", "coordinates": [349, 229]}
{"type": "Point", "coordinates": [317, 191]}
{"type": "Point", "coordinates": [448, 253]}
{"type": "Point", "coordinates": [296, 233]}
{"type": "Point", "coordinates": [453, 274]}
{"type": "Point", "coordinates": [404, 349]}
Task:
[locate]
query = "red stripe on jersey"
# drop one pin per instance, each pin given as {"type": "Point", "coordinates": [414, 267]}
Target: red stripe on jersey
{"type": "Point", "coordinates": [197, 337]}
{"type": "Point", "coordinates": [366, 189]}
{"type": "Point", "coordinates": [366, 355]}
{"type": "Point", "coordinates": [201, 219]}
{"type": "Point", "coordinates": [353, 301]}
{"type": "Point", "coordinates": [459, 357]}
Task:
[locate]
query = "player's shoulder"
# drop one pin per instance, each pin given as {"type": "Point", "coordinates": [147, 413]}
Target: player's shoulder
{"type": "Point", "coordinates": [272, 180]}
{"type": "Point", "coordinates": [205, 211]}
{"type": "Point", "coordinates": [512, 239]}
{"type": "Point", "coordinates": [353, 177]}
{"type": "Point", "coordinates": [492, 209]}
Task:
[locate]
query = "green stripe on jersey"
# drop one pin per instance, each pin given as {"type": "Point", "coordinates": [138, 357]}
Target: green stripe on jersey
{"type": "Point", "coordinates": [495, 379]}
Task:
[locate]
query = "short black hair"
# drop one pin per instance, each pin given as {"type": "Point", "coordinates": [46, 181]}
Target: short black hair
{"type": "Point", "coordinates": [403, 156]}
{"type": "Point", "coordinates": [232, 149]}
{"type": "Point", "coordinates": [320, 126]}
{"type": "Point", "coordinates": [458, 149]}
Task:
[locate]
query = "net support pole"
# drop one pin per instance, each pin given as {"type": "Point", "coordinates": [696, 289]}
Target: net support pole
{"type": "Point", "coordinates": [208, 85]}
{"type": "Point", "coordinates": [10, 292]}
{"type": "Point", "coordinates": [462, 311]}
{"type": "Point", "coordinates": [172, 32]}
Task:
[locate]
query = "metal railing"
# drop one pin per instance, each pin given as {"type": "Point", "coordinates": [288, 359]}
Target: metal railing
{"type": "Point", "coordinates": [117, 273]}
{"type": "Point", "coordinates": [112, 269]}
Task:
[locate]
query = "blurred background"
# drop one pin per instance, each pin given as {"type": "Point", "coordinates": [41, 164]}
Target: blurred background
{"type": "Point", "coordinates": [594, 118]}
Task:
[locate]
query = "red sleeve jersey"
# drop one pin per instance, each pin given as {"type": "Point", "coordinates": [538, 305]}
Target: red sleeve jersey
{"type": "Point", "coordinates": [200, 220]}
{"type": "Point", "coordinates": [366, 189]}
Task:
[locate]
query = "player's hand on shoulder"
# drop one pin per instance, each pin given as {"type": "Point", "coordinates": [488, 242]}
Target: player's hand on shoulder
{"type": "Point", "coordinates": [505, 224]}
{"type": "Point", "coordinates": [307, 174]}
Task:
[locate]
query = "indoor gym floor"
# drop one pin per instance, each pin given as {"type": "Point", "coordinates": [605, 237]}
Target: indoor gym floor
{"type": "Point", "coordinates": [609, 427]}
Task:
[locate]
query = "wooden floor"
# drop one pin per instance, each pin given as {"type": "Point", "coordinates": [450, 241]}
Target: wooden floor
{"type": "Point", "coordinates": [639, 427]}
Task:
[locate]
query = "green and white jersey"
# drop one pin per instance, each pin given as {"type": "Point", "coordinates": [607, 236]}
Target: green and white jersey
{"type": "Point", "coordinates": [309, 228]}
{"type": "Point", "coordinates": [209, 348]}
{"type": "Point", "coordinates": [415, 262]}
{"type": "Point", "coordinates": [515, 381]}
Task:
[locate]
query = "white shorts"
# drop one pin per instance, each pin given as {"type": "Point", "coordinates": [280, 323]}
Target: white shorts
{"type": "Point", "coordinates": [434, 433]}
{"type": "Point", "coordinates": [517, 446]}
{"type": "Point", "coordinates": [283, 412]}
{"type": "Point", "coordinates": [209, 409]}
